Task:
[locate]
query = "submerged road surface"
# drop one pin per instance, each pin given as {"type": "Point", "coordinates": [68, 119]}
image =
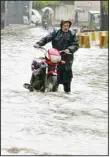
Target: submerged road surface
{"type": "Point", "coordinates": [52, 123]}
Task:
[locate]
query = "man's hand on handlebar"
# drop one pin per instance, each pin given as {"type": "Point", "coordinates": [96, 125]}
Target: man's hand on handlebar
{"type": "Point", "coordinates": [36, 46]}
{"type": "Point", "coordinates": [67, 51]}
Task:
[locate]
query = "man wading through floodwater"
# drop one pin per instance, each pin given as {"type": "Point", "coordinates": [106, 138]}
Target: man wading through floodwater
{"type": "Point", "coordinates": [63, 39]}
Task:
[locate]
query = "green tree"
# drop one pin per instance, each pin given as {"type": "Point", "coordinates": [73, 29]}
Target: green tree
{"type": "Point", "coordinates": [106, 5]}
{"type": "Point", "coordinates": [41, 4]}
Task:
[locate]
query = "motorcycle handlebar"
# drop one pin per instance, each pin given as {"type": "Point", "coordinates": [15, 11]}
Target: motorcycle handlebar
{"type": "Point", "coordinates": [65, 52]}
{"type": "Point", "coordinates": [40, 47]}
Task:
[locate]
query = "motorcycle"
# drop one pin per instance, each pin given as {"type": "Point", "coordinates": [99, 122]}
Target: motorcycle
{"type": "Point", "coordinates": [44, 75]}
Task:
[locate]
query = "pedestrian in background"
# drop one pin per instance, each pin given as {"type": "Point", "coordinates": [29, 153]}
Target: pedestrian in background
{"type": "Point", "coordinates": [26, 16]}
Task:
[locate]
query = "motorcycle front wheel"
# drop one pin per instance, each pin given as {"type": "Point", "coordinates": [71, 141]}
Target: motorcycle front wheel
{"type": "Point", "coordinates": [52, 83]}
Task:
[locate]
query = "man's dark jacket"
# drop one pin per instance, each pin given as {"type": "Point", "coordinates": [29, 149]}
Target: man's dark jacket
{"type": "Point", "coordinates": [61, 41]}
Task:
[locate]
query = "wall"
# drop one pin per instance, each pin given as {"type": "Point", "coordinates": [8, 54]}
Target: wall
{"type": "Point", "coordinates": [67, 11]}
{"type": "Point", "coordinates": [14, 11]}
{"type": "Point", "coordinates": [87, 6]}
{"type": "Point", "coordinates": [63, 12]}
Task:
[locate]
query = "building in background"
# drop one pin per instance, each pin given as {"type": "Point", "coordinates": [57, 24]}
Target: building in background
{"type": "Point", "coordinates": [67, 10]}
{"type": "Point", "coordinates": [14, 10]}
{"type": "Point", "coordinates": [63, 12]}
{"type": "Point", "coordinates": [86, 6]}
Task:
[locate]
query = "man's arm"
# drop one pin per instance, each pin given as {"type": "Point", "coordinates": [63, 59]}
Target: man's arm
{"type": "Point", "coordinates": [46, 39]}
{"type": "Point", "coordinates": [75, 45]}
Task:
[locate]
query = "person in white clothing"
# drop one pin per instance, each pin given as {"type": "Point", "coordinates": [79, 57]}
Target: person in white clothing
{"type": "Point", "coordinates": [26, 15]}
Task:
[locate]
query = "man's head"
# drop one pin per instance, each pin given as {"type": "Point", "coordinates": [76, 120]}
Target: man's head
{"type": "Point", "coordinates": [65, 25]}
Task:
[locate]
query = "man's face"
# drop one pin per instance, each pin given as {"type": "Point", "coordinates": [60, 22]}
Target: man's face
{"type": "Point", "coordinates": [66, 26]}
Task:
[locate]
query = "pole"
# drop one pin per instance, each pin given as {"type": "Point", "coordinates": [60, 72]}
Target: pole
{"type": "Point", "coordinates": [101, 15]}
{"type": "Point", "coordinates": [30, 8]}
{"type": "Point", "coordinates": [6, 13]}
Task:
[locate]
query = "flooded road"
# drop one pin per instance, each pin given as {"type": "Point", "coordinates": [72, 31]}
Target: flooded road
{"type": "Point", "coordinates": [52, 123]}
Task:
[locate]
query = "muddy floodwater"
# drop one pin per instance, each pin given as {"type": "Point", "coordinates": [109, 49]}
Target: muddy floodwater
{"type": "Point", "coordinates": [52, 123]}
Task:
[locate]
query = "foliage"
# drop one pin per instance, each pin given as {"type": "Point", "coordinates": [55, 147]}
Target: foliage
{"type": "Point", "coordinates": [42, 4]}
{"type": "Point", "coordinates": [106, 5]}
